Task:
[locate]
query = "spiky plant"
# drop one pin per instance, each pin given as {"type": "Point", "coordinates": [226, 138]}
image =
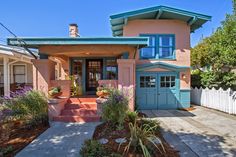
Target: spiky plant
{"type": "Point", "coordinates": [142, 137]}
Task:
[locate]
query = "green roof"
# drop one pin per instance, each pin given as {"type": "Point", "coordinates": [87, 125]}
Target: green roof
{"type": "Point", "coordinates": [36, 42]}
{"type": "Point", "coordinates": [195, 20]}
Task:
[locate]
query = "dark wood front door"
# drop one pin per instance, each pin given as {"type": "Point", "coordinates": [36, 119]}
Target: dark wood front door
{"type": "Point", "coordinates": [93, 74]}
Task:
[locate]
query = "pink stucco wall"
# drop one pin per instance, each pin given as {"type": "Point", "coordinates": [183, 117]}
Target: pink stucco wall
{"type": "Point", "coordinates": [65, 86]}
{"type": "Point", "coordinates": [108, 83]}
{"type": "Point", "coordinates": [182, 41]}
{"type": "Point", "coordinates": [126, 79]}
{"type": "Point", "coordinates": [43, 73]}
{"type": "Point", "coordinates": [55, 107]}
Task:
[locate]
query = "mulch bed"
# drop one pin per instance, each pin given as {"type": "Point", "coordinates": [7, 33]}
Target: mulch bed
{"type": "Point", "coordinates": [105, 130]}
{"type": "Point", "coordinates": [19, 137]}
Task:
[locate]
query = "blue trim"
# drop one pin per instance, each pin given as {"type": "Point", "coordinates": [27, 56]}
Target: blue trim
{"type": "Point", "coordinates": [143, 67]}
{"type": "Point", "coordinates": [36, 42]}
{"type": "Point", "coordinates": [157, 12]}
{"type": "Point", "coordinates": [125, 55]}
{"type": "Point", "coordinates": [184, 98]}
{"type": "Point", "coordinates": [84, 76]}
{"type": "Point", "coordinates": [157, 46]}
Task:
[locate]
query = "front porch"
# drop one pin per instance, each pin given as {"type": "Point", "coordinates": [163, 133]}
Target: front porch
{"type": "Point", "coordinates": [79, 66]}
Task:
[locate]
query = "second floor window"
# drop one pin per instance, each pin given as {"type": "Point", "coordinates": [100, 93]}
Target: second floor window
{"type": "Point", "coordinates": [160, 47]}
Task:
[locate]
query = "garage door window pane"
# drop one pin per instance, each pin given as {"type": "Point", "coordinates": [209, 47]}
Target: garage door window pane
{"type": "Point", "coordinates": [147, 81]}
{"type": "Point", "coordinates": [172, 78]}
{"type": "Point", "coordinates": [167, 81]}
{"type": "Point", "coordinates": [172, 84]}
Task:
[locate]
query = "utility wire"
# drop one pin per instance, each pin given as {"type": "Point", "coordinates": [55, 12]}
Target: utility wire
{"type": "Point", "coordinates": [20, 40]}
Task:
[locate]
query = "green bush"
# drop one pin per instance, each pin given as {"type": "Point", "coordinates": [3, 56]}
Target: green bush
{"type": "Point", "coordinates": [92, 148]}
{"type": "Point", "coordinates": [115, 108]}
{"type": "Point", "coordinates": [32, 107]}
{"type": "Point", "coordinates": [132, 116]}
{"type": "Point", "coordinates": [152, 125]}
{"type": "Point", "coordinates": [142, 138]}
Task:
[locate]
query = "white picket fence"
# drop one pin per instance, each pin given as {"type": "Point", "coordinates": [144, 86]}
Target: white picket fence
{"type": "Point", "coordinates": [219, 99]}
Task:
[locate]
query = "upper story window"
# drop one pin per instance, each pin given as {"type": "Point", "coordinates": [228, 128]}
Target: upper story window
{"type": "Point", "coordinates": [160, 47]}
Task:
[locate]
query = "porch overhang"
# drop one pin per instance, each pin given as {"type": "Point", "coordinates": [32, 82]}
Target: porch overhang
{"type": "Point", "coordinates": [171, 67]}
{"type": "Point", "coordinates": [37, 42]}
{"type": "Point", "coordinates": [83, 46]}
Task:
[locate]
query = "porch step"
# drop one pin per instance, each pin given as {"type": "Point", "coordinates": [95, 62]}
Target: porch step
{"type": "Point", "coordinates": [79, 112]}
{"type": "Point", "coordinates": [95, 118]}
{"type": "Point", "coordinates": [92, 105]}
{"type": "Point", "coordinates": [82, 100]}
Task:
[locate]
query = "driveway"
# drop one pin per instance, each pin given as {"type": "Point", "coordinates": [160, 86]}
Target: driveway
{"type": "Point", "coordinates": [201, 132]}
{"type": "Point", "coordinates": [60, 140]}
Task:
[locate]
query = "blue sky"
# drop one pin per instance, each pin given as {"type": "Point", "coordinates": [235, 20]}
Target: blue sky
{"type": "Point", "coordinates": [50, 18]}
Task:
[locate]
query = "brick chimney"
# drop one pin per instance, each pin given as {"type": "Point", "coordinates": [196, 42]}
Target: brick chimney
{"type": "Point", "coordinates": [73, 30]}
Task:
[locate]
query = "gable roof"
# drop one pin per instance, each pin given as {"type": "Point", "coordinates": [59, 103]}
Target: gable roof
{"type": "Point", "coordinates": [195, 20]}
{"type": "Point", "coordinates": [36, 42]}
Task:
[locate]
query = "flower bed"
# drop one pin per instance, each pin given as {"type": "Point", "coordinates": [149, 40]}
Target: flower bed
{"type": "Point", "coordinates": [105, 131]}
{"type": "Point", "coordinates": [19, 136]}
{"type": "Point", "coordinates": [125, 133]}
{"type": "Point", "coordinates": [23, 116]}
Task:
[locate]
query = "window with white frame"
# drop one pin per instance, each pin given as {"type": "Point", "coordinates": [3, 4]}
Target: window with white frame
{"type": "Point", "coordinates": [19, 73]}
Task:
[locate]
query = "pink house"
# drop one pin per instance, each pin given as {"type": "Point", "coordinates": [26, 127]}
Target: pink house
{"type": "Point", "coordinates": [149, 55]}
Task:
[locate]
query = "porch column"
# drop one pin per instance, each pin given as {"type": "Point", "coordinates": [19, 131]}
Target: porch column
{"type": "Point", "coordinates": [43, 73]}
{"type": "Point", "coordinates": [126, 79]}
{"type": "Point", "coordinates": [6, 77]}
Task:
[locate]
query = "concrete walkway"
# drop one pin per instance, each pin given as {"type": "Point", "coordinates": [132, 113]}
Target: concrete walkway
{"type": "Point", "coordinates": [201, 132]}
{"type": "Point", "coordinates": [60, 140]}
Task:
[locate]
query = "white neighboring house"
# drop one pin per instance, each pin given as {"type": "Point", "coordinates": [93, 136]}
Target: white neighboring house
{"type": "Point", "coordinates": [16, 69]}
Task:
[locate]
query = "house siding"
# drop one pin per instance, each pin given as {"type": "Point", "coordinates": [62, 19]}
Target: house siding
{"type": "Point", "coordinates": [181, 31]}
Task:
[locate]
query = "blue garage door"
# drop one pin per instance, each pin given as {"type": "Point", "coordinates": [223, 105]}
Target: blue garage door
{"type": "Point", "coordinates": [157, 90]}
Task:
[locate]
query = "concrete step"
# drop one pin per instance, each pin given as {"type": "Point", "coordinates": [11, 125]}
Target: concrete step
{"type": "Point", "coordinates": [82, 100]}
{"type": "Point", "coordinates": [79, 112]}
{"type": "Point", "coordinates": [80, 105]}
{"type": "Point", "coordinates": [61, 118]}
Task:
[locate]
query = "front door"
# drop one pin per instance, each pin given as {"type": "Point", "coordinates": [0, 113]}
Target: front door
{"type": "Point", "coordinates": [93, 74]}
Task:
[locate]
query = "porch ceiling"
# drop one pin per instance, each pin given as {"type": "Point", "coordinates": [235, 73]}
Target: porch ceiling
{"type": "Point", "coordinates": [87, 50]}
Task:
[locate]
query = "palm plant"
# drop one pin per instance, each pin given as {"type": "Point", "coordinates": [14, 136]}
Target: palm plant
{"type": "Point", "coordinates": [143, 137]}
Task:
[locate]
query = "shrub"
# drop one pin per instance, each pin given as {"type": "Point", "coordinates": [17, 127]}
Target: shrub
{"type": "Point", "coordinates": [31, 107]}
{"type": "Point", "coordinates": [115, 108]}
{"type": "Point", "coordinates": [142, 138]}
{"type": "Point", "coordinates": [92, 148]}
{"type": "Point", "coordinates": [153, 125]}
{"type": "Point", "coordinates": [132, 116]}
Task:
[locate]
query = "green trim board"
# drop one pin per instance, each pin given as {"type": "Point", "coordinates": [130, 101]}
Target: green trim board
{"type": "Point", "coordinates": [36, 42]}
{"type": "Point", "coordinates": [143, 67]}
{"type": "Point", "coordinates": [195, 20]}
